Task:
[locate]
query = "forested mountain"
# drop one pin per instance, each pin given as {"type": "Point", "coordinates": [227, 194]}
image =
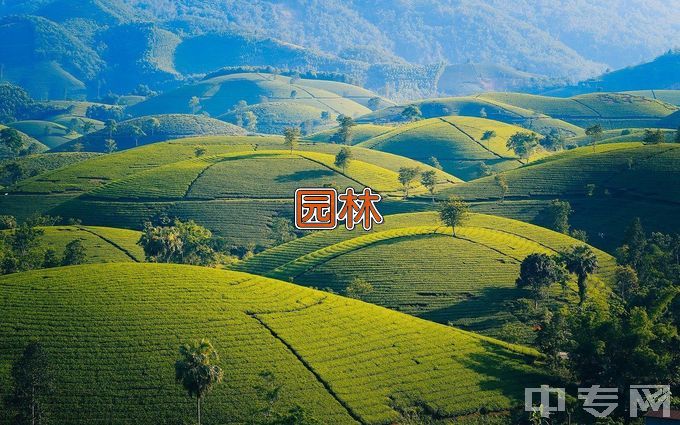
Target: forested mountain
{"type": "Point", "coordinates": [398, 49]}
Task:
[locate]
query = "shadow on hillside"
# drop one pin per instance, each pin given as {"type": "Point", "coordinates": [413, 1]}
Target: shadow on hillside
{"type": "Point", "coordinates": [505, 372]}
{"type": "Point", "coordinates": [304, 175]}
{"type": "Point", "coordinates": [478, 310]}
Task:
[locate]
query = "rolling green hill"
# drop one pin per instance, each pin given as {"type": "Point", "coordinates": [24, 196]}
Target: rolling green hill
{"type": "Point", "coordinates": [40, 163]}
{"type": "Point", "coordinates": [342, 360]}
{"type": "Point", "coordinates": [239, 207]}
{"type": "Point", "coordinates": [611, 110]}
{"type": "Point", "coordinates": [668, 96]}
{"type": "Point", "coordinates": [236, 195]}
{"type": "Point", "coordinates": [360, 133]}
{"type": "Point", "coordinates": [455, 141]}
{"type": "Point", "coordinates": [101, 244]}
{"type": "Point", "coordinates": [417, 267]}
{"type": "Point", "coordinates": [607, 187]}
{"type": "Point", "coordinates": [220, 95]}
{"type": "Point", "coordinates": [477, 107]}
{"type": "Point", "coordinates": [155, 128]}
{"type": "Point", "coordinates": [49, 133]}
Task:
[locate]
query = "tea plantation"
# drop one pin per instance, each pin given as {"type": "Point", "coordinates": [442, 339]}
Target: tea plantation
{"type": "Point", "coordinates": [608, 186]}
{"type": "Point", "coordinates": [417, 267]}
{"type": "Point", "coordinates": [458, 143]}
{"type": "Point", "coordinates": [342, 360]}
{"type": "Point", "coordinates": [101, 244]}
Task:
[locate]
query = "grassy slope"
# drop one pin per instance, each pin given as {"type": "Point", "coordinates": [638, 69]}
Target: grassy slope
{"type": "Point", "coordinates": [236, 195]}
{"type": "Point", "coordinates": [220, 94]}
{"type": "Point", "coordinates": [238, 216]}
{"type": "Point", "coordinates": [611, 110]}
{"type": "Point", "coordinates": [102, 244]}
{"type": "Point", "coordinates": [668, 96]}
{"type": "Point", "coordinates": [360, 133]}
{"type": "Point", "coordinates": [630, 181]}
{"type": "Point", "coordinates": [417, 267]}
{"type": "Point", "coordinates": [46, 132]}
{"type": "Point", "coordinates": [173, 126]}
{"type": "Point", "coordinates": [481, 108]}
{"type": "Point", "coordinates": [455, 141]}
{"type": "Point", "coordinates": [113, 329]}
{"type": "Point", "coordinates": [43, 162]}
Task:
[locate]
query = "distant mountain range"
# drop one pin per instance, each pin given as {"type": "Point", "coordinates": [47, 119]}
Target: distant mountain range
{"type": "Point", "coordinates": [402, 49]}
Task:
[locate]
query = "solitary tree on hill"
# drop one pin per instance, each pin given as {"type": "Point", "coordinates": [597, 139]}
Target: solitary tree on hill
{"type": "Point", "coordinates": [33, 384]}
{"type": "Point", "coordinates": [152, 125]}
{"type": "Point", "coordinates": [344, 133]}
{"type": "Point", "coordinates": [538, 272]}
{"type": "Point", "coordinates": [523, 143]}
{"type": "Point", "coordinates": [429, 180]}
{"type": "Point", "coordinates": [653, 137]}
{"type": "Point", "coordinates": [412, 113]}
{"type": "Point", "coordinates": [136, 132]}
{"type": "Point", "coordinates": [373, 103]}
{"type": "Point", "coordinates": [111, 126]}
{"type": "Point", "coordinates": [454, 212]}
{"type": "Point", "coordinates": [358, 288]}
{"type": "Point", "coordinates": [74, 253]}
{"type": "Point", "coordinates": [559, 212]}
{"type": "Point", "coordinates": [194, 104]}
{"type": "Point", "coordinates": [434, 162]}
{"type": "Point", "coordinates": [595, 133]}
{"type": "Point", "coordinates": [110, 145]}
{"type": "Point", "coordinates": [291, 136]}
{"type": "Point", "coordinates": [408, 175]}
{"type": "Point", "coordinates": [581, 261]}
{"type": "Point", "coordinates": [196, 372]}
{"type": "Point", "coordinates": [502, 184]}
{"type": "Point", "coordinates": [343, 158]}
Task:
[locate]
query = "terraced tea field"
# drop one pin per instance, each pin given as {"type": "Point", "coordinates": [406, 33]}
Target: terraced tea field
{"type": "Point", "coordinates": [417, 267]}
{"type": "Point", "coordinates": [608, 186]}
{"type": "Point", "coordinates": [481, 108]}
{"type": "Point", "coordinates": [101, 244]}
{"type": "Point", "coordinates": [611, 110]}
{"type": "Point", "coordinates": [239, 184]}
{"type": "Point", "coordinates": [360, 133]}
{"type": "Point", "coordinates": [167, 127]}
{"type": "Point", "coordinates": [458, 143]}
{"type": "Point", "coordinates": [341, 360]}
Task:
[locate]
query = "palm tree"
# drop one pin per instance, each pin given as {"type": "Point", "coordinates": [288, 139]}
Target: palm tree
{"type": "Point", "coordinates": [195, 371]}
{"type": "Point", "coordinates": [582, 261]}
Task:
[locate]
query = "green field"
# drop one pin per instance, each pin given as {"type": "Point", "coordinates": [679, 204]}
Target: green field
{"type": "Point", "coordinates": [455, 141]}
{"type": "Point", "coordinates": [628, 180]}
{"type": "Point", "coordinates": [417, 267]}
{"type": "Point", "coordinates": [236, 194]}
{"type": "Point", "coordinates": [43, 162]}
{"type": "Point", "coordinates": [172, 126]}
{"type": "Point", "coordinates": [48, 133]}
{"type": "Point", "coordinates": [101, 244]}
{"type": "Point", "coordinates": [341, 360]}
{"type": "Point", "coordinates": [611, 110]}
{"type": "Point", "coordinates": [360, 133]}
{"type": "Point", "coordinates": [276, 100]}
{"type": "Point", "coordinates": [481, 108]}
{"type": "Point", "coordinates": [668, 96]}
